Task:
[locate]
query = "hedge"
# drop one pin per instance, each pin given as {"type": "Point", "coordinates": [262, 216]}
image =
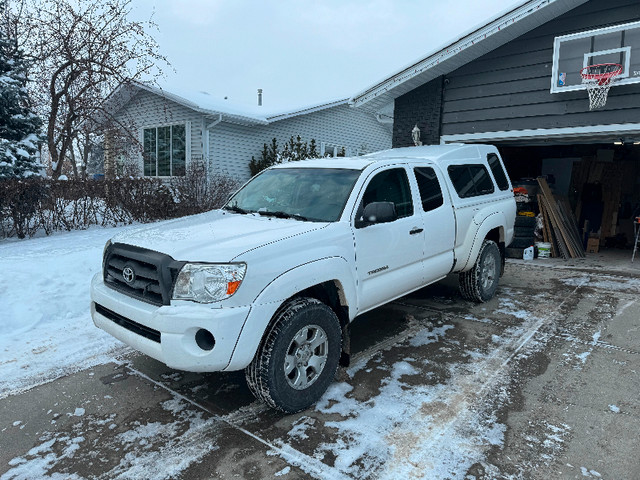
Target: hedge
{"type": "Point", "coordinates": [29, 206]}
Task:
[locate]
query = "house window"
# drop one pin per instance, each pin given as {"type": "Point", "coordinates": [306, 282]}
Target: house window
{"type": "Point", "coordinates": [333, 150]}
{"type": "Point", "coordinates": [164, 151]}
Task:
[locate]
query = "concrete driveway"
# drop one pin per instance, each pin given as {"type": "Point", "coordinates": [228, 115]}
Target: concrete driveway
{"type": "Point", "coordinates": [541, 382]}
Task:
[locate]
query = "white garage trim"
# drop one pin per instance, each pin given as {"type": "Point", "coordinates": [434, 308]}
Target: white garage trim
{"type": "Point", "coordinates": [542, 133]}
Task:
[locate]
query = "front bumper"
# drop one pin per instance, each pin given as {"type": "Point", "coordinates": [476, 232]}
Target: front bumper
{"type": "Point", "coordinates": [176, 325]}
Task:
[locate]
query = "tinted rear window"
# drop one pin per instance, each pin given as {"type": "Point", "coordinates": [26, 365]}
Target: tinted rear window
{"type": "Point", "coordinates": [470, 180]}
{"type": "Point", "coordinates": [430, 192]}
{"type": "Point", "coordinates": [498, 171]}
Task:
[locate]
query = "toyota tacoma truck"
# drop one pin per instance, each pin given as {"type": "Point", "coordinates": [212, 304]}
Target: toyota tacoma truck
{"type": "Point", "coordinates": [270, 282]}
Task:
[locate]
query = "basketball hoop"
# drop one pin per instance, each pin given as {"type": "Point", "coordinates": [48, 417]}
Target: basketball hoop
{"type": "Point", "coordinates": [598, 80]}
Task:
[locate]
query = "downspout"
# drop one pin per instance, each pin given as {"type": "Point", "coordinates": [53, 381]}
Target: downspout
{"type": "Point", "coordinates": [207, 141]}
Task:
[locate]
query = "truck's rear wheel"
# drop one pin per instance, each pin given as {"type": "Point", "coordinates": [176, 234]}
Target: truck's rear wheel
{"type": "Point", "coordinates": [480, 283]}
{"type": "Point", "coordinates": [298, 358]}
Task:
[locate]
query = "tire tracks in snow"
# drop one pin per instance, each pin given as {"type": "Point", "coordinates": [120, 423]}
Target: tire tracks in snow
{"type": "Point", "coordinates": [471, 393]}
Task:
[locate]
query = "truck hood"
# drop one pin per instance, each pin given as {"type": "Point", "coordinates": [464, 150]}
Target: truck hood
{"type": "Point", "coordinates": [215, 236]}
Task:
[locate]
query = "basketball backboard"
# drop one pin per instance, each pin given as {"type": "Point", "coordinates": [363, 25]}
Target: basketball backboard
{"type": "Point", "coordinates": [617, 44]}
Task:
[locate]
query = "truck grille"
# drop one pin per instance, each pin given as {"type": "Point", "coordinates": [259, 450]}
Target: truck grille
{"type": "Point", "coordinates": [140, 273]}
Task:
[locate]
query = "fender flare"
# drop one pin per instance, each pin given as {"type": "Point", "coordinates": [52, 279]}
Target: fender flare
{"type": "Point", "coordinates": [283, 287]}
{"type": "Point", "coordinates": [491, 222]}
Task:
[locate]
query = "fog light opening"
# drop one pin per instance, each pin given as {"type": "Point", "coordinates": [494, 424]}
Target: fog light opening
{"type": "Point", "coordinates": [204, 339]}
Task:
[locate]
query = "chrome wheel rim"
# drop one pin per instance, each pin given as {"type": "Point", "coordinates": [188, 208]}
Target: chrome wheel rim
{"type": "Point", "coordinates": [306, 357]}
{"type": "Point", "coordinates": [489, 272]}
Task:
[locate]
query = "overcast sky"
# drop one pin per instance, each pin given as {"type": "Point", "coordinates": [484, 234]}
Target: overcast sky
{"type": "Point", "coordinates": [302, 52]}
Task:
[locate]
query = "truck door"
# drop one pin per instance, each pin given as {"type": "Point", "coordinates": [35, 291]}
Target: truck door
{"type": "Point", "coordinates": [439, 224]}
{"type": "Point", "coordinates": [388, 255]}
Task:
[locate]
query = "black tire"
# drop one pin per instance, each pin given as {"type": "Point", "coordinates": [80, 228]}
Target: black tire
{"type": "Point", "coordinates": [519, 232]}
{"type": "Point", "coordinates": [522, 242]}
{"type": "Point", "coordinates": [480, 283]}
{"type": "Point", "coordinates": [522, 221]}
{"type": "Point", "coordinates": [511, 252]}
{"type": "Point", "coordinates": [284, 341]}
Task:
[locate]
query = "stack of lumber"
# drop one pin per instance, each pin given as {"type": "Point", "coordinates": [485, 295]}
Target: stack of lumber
{"type": "Point", "coordinates": [560, 227]}
{"type": "Point", "coordinates": [615, 177]}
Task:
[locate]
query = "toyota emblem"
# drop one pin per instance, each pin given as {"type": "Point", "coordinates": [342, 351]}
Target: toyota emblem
{"type": "Point", "coordinates": [128, 274]}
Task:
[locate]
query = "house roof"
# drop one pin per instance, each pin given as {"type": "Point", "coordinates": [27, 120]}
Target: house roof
{"type": "Point", "coordinates": [470, 45]}
{"type": "Point", "coordinates": [214, 107]}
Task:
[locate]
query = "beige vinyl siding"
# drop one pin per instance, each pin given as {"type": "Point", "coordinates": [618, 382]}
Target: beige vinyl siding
{"type": "Point", "coordinates": [232, 146]}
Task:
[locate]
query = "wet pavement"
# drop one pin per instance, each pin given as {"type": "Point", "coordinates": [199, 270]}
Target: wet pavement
{"type": "Point", "coordinates": [541, 382]}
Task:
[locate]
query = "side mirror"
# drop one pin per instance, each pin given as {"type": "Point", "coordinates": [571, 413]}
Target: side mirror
{"type": "Point", "coordinates": [378, 212]}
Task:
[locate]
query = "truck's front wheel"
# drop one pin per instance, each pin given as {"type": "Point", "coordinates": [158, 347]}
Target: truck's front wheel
{"type": "Point", "coordinates": [298, 357]}
{"type": "Point", "coordinates": [480, 283]}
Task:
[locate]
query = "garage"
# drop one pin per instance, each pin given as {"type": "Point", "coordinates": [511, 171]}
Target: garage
{"type": "Point", "coordinates": [555, 84]}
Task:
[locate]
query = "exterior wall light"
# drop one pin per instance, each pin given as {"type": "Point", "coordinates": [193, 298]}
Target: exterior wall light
{"type": "Point", "coordinates": [415, 135]}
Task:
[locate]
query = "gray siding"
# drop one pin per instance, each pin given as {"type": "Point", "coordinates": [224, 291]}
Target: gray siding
{"type": "Point", "coordinates": [508, 89]}
{"type": "Point", "coordinates": [232, 146]}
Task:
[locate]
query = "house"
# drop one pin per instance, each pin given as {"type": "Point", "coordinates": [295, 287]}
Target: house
{"type": "Point", "coordinates": [160, 133]}
{"type": "Point", "coordinates": [515, 81]}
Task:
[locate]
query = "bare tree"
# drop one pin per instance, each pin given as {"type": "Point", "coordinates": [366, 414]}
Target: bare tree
{"type": "Point", "coordinates": [81, 52]}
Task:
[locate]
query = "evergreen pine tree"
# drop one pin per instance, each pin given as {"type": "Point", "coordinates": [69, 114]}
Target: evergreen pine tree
{"type": "Point", "coordinates": [19, 126]}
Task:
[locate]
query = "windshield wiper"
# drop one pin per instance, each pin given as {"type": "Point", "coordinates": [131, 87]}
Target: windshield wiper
{"type": "Point", "coordinates": [235, 209]}
{"type": "Point", "coordinates": [281, 214]}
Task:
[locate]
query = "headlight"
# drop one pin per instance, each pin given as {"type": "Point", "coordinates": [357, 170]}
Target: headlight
{"type": "Point", "coordinates": [207, 283]}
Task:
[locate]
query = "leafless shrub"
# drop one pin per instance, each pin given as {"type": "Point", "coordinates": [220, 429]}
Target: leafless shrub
{"type": "Point", "coordinates": [29, 206]}
{"type": "Point", "coordinates": [197, 192]}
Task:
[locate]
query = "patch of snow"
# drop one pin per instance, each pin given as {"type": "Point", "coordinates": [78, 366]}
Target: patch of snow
{"type": "Point", "coordinates": [589, 473]}
{"type": "Point", "coordinates": [282, 472]}
{"type": "Point", "coordinates": [38, 461]}
{"type": "Point", "coordinates": [583, 357]}
{"type": "Point", "coordinates": [300, 427]}
{"type": "Point", "coordinates": [427, 336]}
{"type": "Point", "coordinates": [46, 329]}
{"type": "Point", "coordinates": [604, 282]}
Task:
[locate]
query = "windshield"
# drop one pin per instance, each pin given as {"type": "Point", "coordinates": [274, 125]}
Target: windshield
{"type": "Point", "coordinates": [314, 194]}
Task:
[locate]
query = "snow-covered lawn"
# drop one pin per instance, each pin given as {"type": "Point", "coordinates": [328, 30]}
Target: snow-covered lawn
{"type": "Point", "coordinates": [45, 326]}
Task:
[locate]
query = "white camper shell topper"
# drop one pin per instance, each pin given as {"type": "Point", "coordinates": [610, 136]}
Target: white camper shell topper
{"type": "Point", "coordinates": [271, 282]}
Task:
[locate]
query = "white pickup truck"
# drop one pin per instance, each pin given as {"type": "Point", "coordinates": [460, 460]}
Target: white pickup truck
{"type": "Point", "coordinates": [271, 282]}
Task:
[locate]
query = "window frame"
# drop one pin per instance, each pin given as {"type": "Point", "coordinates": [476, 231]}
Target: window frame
{"type": "Point", "coordinates": [187, 148]}
{"type": "Point", "coordinates": [371, 178]}
{"type": "Point", "coordinates": [474, 183]}
{"type": "Point", "coordinates": [501, 170]}
{"type": "Point", "coordinates": [420, 192]}
{"type": "Point", "coordinates": [335, 150]}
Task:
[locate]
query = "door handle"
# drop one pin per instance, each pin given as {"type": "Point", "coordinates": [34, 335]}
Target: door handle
{"type": "Point", "coordinates": [416, 230]}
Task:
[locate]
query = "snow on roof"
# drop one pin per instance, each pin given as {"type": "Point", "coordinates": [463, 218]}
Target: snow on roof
{"type": "Point", "coordinates": [204, 102]}
{"type": "Point", "coordinates": [464, 48]}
